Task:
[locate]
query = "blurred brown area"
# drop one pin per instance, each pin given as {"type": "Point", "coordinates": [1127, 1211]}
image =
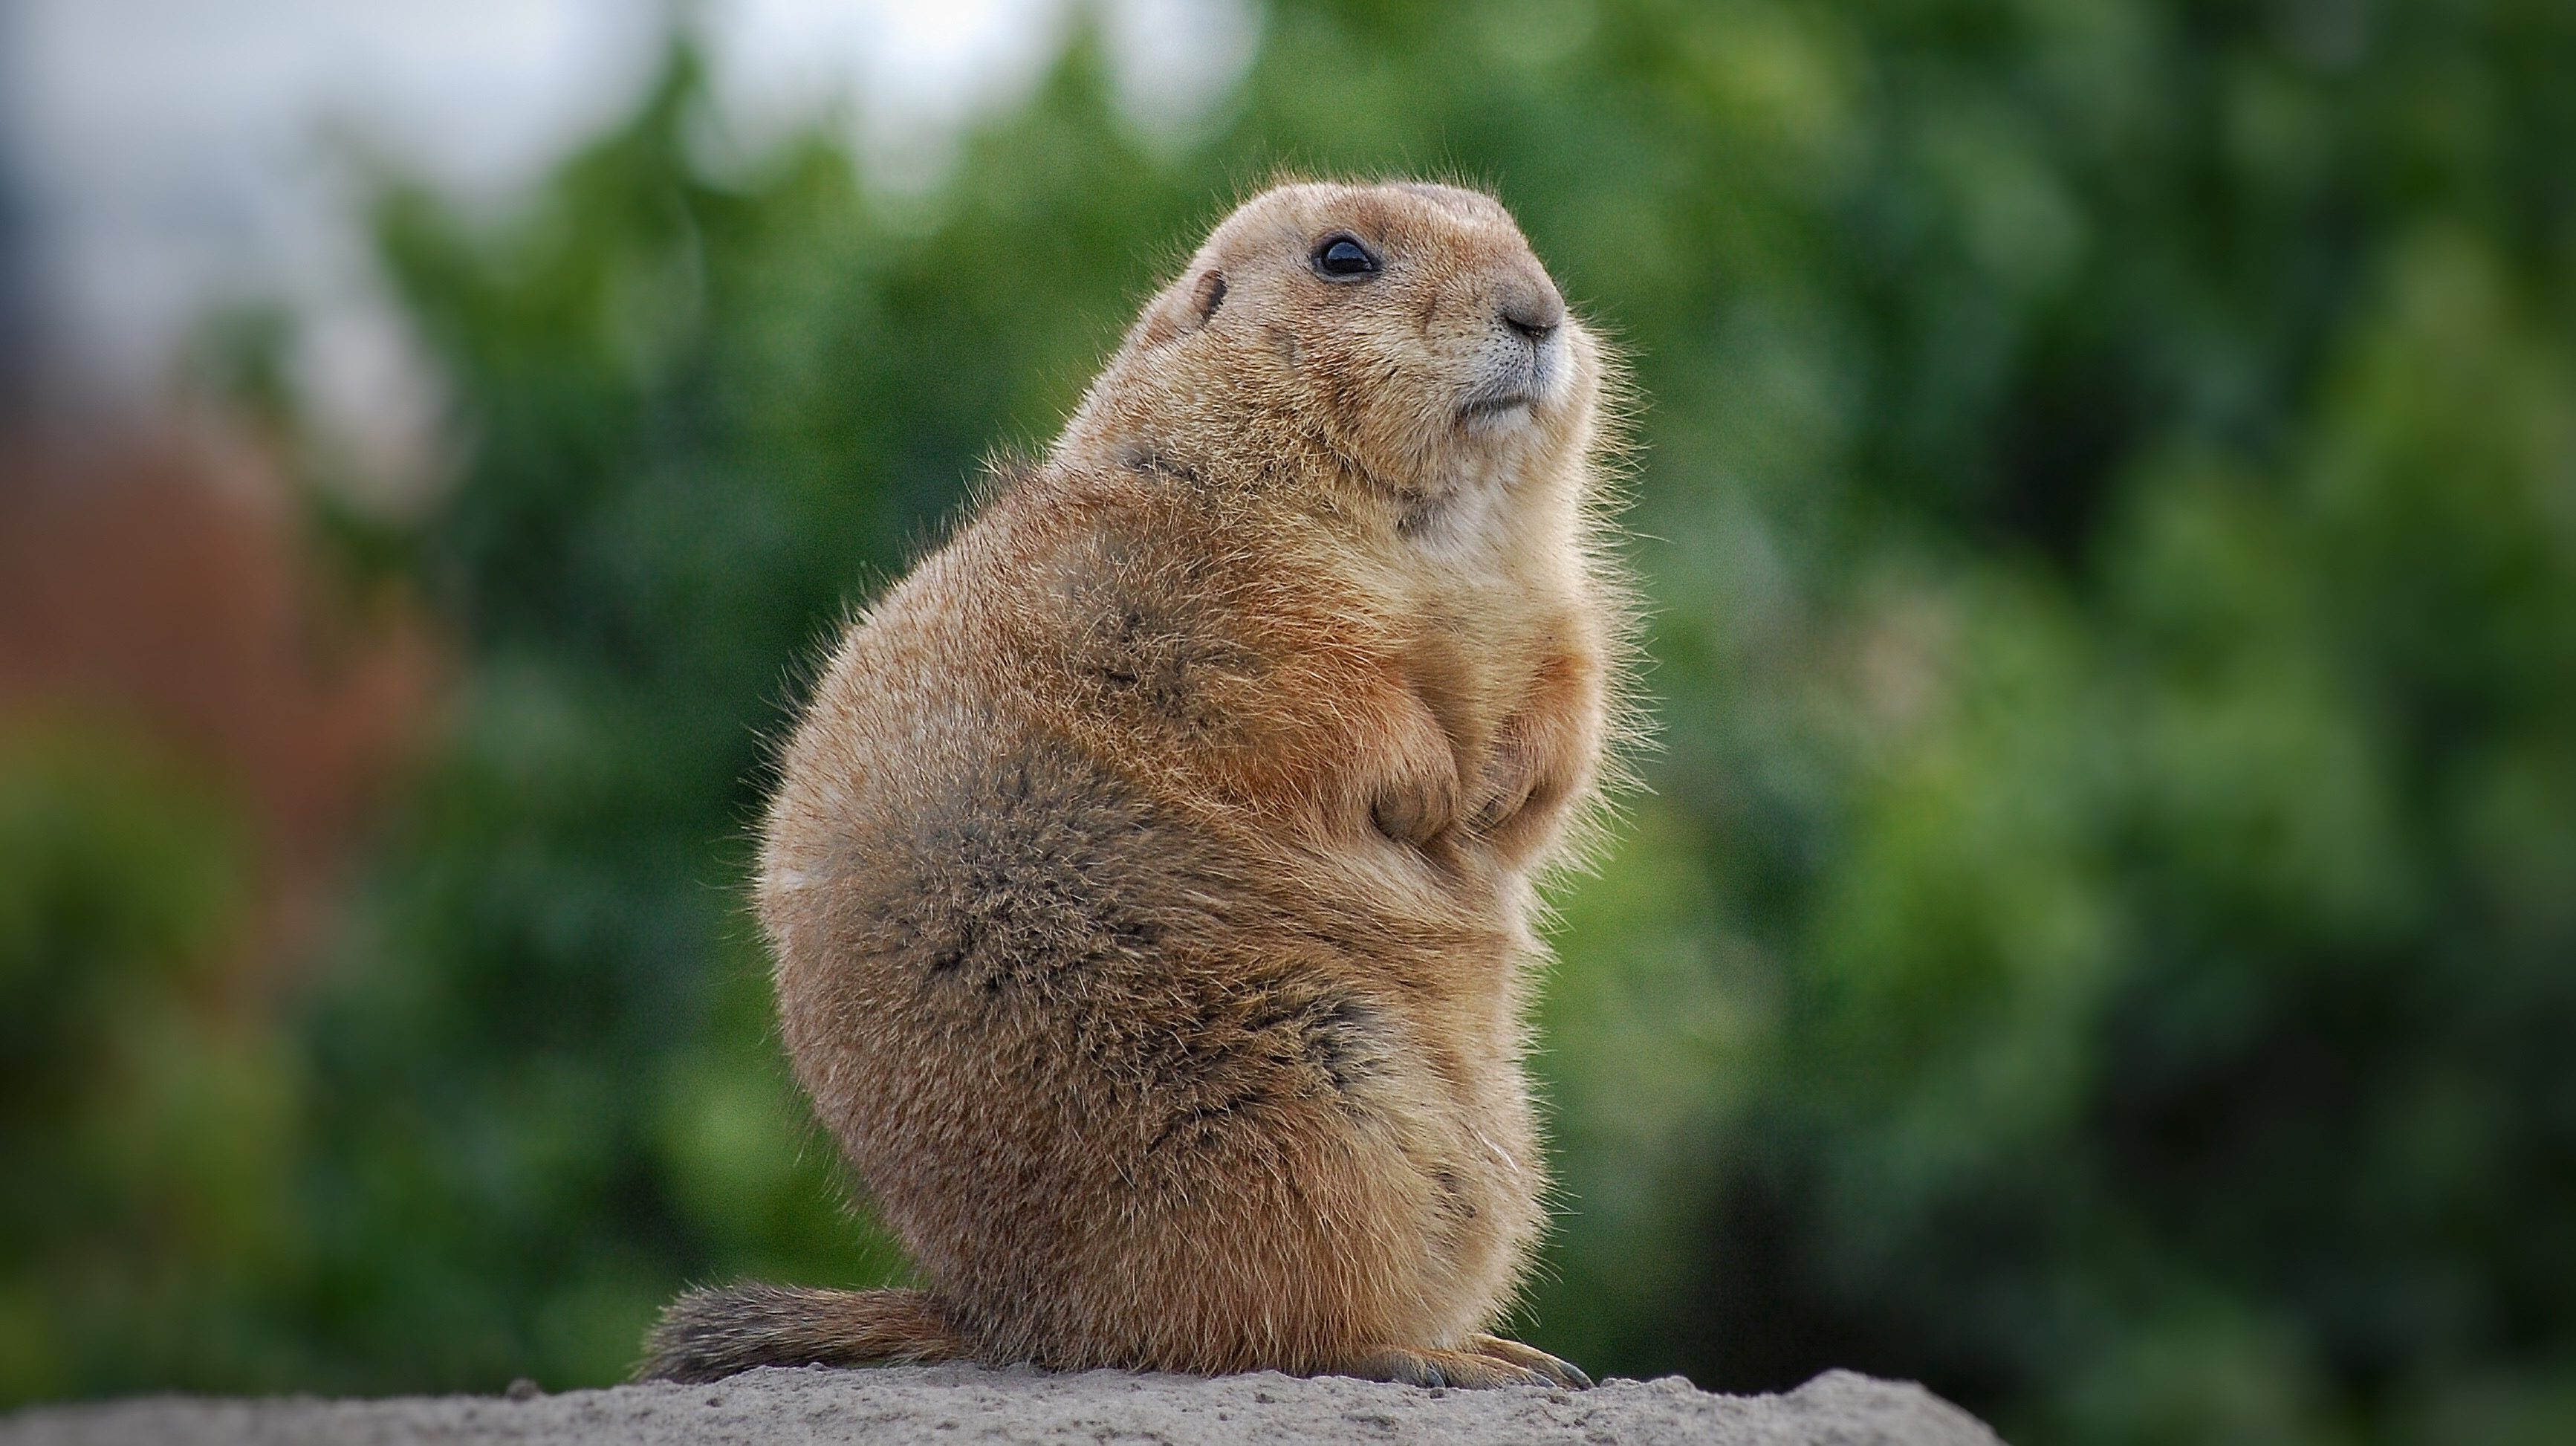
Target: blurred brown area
{"type": "Point", "coordinates": [152, 579]}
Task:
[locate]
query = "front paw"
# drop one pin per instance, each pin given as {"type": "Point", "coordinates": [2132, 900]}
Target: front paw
{"type": "Point", "coordinates": [1516, 783]}
{"type": "Point", "coordinates": [1414, 814]}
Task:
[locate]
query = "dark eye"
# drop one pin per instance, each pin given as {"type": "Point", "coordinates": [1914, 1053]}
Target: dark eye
{"type": "Point", "coordinates": [1343, 258]}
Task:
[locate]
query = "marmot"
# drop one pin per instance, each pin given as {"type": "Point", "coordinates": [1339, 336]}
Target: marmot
{"type": "Point", "coordinates": [1150, 877]}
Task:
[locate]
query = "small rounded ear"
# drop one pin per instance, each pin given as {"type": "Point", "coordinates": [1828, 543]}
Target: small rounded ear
{"type": "Point", "coordinates": [1178, 314]}
{"type": "Point", "coordinates": [1207, 296]}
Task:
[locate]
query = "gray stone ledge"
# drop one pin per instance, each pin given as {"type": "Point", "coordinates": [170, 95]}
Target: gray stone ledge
{"type": "Point", "coordinates": [956, 1404]}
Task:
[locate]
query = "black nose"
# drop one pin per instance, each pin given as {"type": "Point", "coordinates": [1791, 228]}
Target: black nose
{"type": "Point", "coordinates": [1532, 308]}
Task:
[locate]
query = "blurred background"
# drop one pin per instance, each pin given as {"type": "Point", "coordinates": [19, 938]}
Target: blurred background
{"type": "Point", "coordinates": [2101, 938]}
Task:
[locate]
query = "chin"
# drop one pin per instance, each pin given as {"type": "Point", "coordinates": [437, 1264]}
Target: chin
{"type": "Point", "coordinates": [1500, 419]}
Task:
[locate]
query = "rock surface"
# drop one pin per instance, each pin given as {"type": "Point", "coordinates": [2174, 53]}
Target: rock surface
{"type": "Point", "coordinates": [946, 1404]}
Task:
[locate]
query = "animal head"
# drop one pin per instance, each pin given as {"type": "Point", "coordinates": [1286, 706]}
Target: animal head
{"type": "Point", "coordinates": [1404, 332]}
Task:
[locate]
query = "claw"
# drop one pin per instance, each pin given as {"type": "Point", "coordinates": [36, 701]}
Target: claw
{"type": "Point", "coordinates": [1550, 1370]}
{"type": "Point", "coordinates": [1469, 1369]}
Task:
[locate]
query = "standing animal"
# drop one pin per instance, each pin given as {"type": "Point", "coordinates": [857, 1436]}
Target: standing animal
{"type": "Point", "coordinates": [1151, 874]}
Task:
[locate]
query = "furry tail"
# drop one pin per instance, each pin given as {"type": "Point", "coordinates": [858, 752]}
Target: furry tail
{"type": "Point", "coordinates": [706, 1335]}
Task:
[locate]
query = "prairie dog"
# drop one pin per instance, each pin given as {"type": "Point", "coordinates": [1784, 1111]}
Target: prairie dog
{"type": "Point", "coordinates": [1150, 876]}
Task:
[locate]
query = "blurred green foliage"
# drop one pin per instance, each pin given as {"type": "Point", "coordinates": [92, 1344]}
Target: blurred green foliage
{"type": "Point", "coordinates": [145, 1110]}
{"type": "Point", "coordinates": [2102, 937]}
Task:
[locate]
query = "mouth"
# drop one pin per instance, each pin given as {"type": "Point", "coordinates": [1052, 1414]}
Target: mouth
{"type": "Point", "coordinates": [1497, 404]}
{"type": "Point", "coordinates": [1515, 383]}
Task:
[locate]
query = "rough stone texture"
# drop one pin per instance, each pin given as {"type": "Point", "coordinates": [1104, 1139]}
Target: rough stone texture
{"type": "Point", "coordinates": [951, 1404]}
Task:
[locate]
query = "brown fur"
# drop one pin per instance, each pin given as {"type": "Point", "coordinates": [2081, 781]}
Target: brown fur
{"type": "Point", "coordinates": [1151, 876]}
